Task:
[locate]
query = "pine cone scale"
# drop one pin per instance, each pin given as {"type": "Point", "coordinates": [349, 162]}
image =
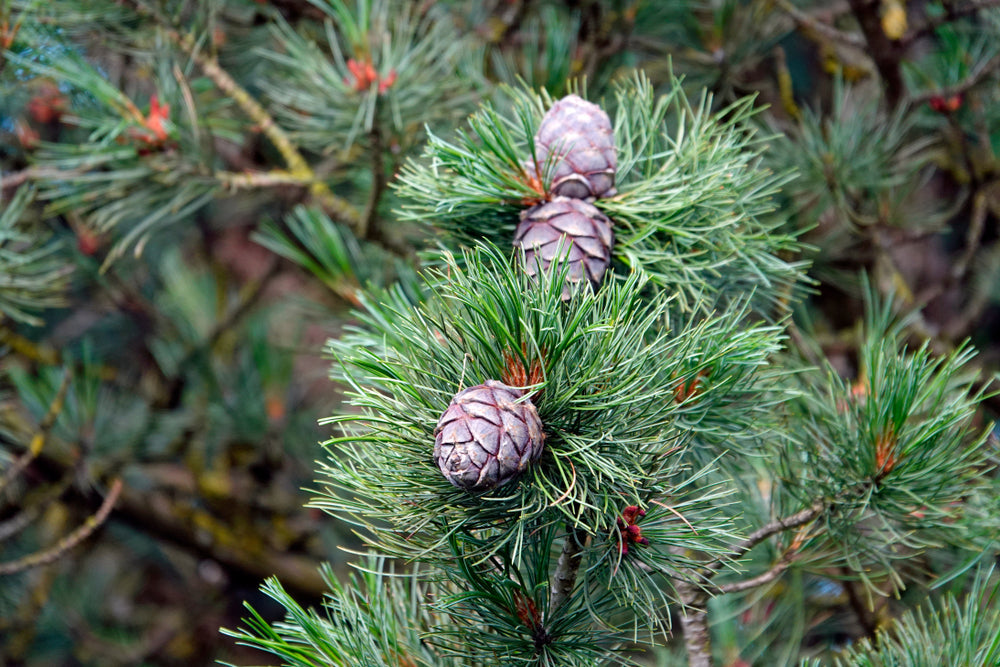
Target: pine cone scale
{"type": "Point", "coordinates": [486, 435]}
{"type": "Point", "coordinates": [482, 411]}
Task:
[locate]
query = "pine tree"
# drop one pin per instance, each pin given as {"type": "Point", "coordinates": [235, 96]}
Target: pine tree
{"type": "Point", "coordinates": [674, 445]}
{"type": "Point", "coordinates": [602, 403]}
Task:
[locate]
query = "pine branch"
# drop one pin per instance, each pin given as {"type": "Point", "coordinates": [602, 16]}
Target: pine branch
{"type": "Point", "coordinates": [865, 619]}
{"type": "Point", "coordinates": [981, 72]}
{"type": "Point", "coordinates": [950, 15]}
{"type": "Point", "coordinates": [339, 208]}
{"type": "Point", "coordinates": [773, 528]}
{"type": "Point", "coordinates": [944, 632]}
{"type": "Point", "coordinates": [259, 179]}
{"type": "Point", "coordinates": [73, 539]}
{"type": "Point", "coordinates": [764, 578]}
{"type": "Point", "coordinates": [564, 577]}
{"type": "Point", "coordinates": [249, 297]}
{"type": "Point", "coordinates": [38, 439]}
{"type": "Point", "coordinates": [886, 53]}
{"type": "Point", "coordinates": [32, 275]}
{"type": "Point", "coordinates": [18, 178]}
{"type": "Point", "coordinates": [694, 623]}
{"type": "Point", "coordinates": [369, 219]}
{"type": "Point", "coordinates": [178, 520]}
{"type": "Point", "coordinates": [34, 503]}
{"type": "Point", "coordinates": [813, 24]}
{"type": "Point", "coordinates": [161, 516]}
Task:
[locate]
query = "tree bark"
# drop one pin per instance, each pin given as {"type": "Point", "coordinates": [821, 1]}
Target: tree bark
{"type": "Point", "coordinates": [886, 53]}
{"type": "Point", "coordinates": [564, 578]}
{"type": "Point", "coordinates": [694, 624]}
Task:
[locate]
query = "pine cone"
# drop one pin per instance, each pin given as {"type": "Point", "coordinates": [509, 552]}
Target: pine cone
{"type": "Point", "coordinates": [487, 436]}
{"type": "Point", "coordinates": [580, 136]}
{"type": "Point", "coordinates": [578, 229]}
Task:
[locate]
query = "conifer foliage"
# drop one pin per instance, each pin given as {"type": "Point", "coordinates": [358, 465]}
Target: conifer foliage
{"type": "Point", "coordinates": [599, 406]}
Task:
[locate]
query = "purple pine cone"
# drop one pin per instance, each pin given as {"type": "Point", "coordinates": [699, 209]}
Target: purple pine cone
{"type": "Point", "coordinates": [487, 436]}
{"type": "Point", "coordinates": [566, 229]}
{"type": "Point", "coordinates": [577, 135]}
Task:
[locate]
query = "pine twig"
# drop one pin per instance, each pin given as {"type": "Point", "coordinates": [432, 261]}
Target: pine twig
{"type": "Point", "coordinates": [250, 295]}
{"type": "Point", "coordinates": [760, 579]}
{"type": "Point", "coordinates": [694, 598]}
{"type": "Point", "coordinates": [19, 628]}
{"type": "Point", "coordinates": [777, 526]}
{"type": "Point", "coordinates": [178, 521]}
{"type": "Point", "coordinates": [18, 178]}
{"type": "Point", "coordinates": [951, 14]}
{"type": "Point", "coordinates": [973, 238]}
{"type": "Point", "coordinates": [259, 179]}
{"type": "Point", "coordinates": [564, 578]}
{"type": "Point", "coordinates": [820, 28]}
{"type": "Point", "coordinates": [866, 622]}
{"type": "Point", "coordinates": [17, 523]}
{"type": "Point", "coordinates": [962, 87]}
{"type": "Point", "coordinates": [370, 228]}
{"type": "Point", "coordinates": [40, 436]}
{"type": "Point", "coordinates": [39, 353]}
{"type": "Point", "coordinates": [73, 539]}
{"type": "Point", "coordinates": [786, 91]}
{"type": "Point", "coordinates": [167, 517]}
{"type": "Point", "coordinates": [339, 208]}
{"type": "Point", "coordinates": [33, 504]}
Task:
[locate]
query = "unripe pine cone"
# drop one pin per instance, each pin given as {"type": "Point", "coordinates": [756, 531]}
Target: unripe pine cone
{"type": "Point", "coordinates": [487, 436]}
{"type": "Point", "coordinates": [566, 230]}
{"type": "Point", "coordinates": [578, 136]}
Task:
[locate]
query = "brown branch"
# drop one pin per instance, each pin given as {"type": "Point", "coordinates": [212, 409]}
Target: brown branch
{"type": "Point", "coordinates": [184, 524]}
{"type": "Point", "coordinates": [694, 624]}
{"type": "Point", "coordinates": [564, 578]}
{"type": "Point", "coordinates": [812, 23]}
{"type": "Point", "coordinates": [259, 179]}
{"type": "Point", "coordinates": [694, 615]}
{"type": "Point", "coordinates": [339, 208]}
{"type": "Point", "coordinates": [973, 237]}
{"type": "Point", "coordinates": [195, 530]}
{"type": "Point", "coordinates": [370, 228]}
{"type": "Point", "coordinates": [949, 15]}
{"type": "Point", "coordinates": [866, 622]}
{"type": "Point", "coordinates": [777, 526]}
{"type": "Point", "coordinates": [368, 220]}
{"type": "Point", "coordinates": [34, 503]}
{"type": "Point", "coordinates": [73, 539]}
{"type": "Point", "coordinates": [962, 87]}
{"type": "Point", "coordinates": [886, 53]}
{"type": "Point", "coordinates": [17, 178]}
{"type": "Point", "coordinates": [36, 352]}
{"type": "Point", "coordinates": [181, 522]}
{"type": "Point", "coordinates": [40, 436]}
{"type": "Point", "coordinates": [760, 579]}
{"type": "Point", "coordinates": [959, 326]}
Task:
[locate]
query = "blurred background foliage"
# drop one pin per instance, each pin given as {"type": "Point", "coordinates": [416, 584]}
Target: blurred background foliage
{"type": "Point", "coordinates": [194, 195]}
